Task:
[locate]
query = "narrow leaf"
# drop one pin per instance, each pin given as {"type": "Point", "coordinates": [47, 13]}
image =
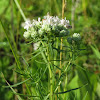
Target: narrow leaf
{"type": "Point", "coordinates": [96, 51]}
{"type": "Point", "coordinates": [70, 90]}
{"type": "Point", "coordinates": [17, 83]}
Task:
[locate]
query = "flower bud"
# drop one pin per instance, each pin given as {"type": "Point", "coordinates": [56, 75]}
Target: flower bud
{"type": "Point", "coordinates": [27, 34]}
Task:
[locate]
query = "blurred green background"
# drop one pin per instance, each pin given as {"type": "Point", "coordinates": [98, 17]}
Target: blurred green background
{"type": "Point", "coordinates": [84, 16]}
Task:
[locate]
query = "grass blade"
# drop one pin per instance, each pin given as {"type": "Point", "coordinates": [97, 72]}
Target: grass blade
{"type": "Point", "coordinates": [96, 51]}
{"type": "Point", "coordinates": [17, 83]}
{"type": "Point", "coordinates": [18, 6]}
{"type": "Point", "coordinates": [15, 56]}
{"type": "Point", "coordinates": [85, 95]}
{"type": "Point", "coordinates": [12, 88]}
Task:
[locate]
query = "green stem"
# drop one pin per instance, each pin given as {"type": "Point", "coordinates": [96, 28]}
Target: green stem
{"type": "Point", "coordinates": [51, 85]}
{"type": "Point", "coordinates": [50, 74]}
{"type": "Point", "coordinates": [49, 67]}
{"type": "Point", "coordinates": [63, 6]}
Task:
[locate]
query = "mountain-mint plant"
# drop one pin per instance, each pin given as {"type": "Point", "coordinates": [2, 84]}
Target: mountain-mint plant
{"type": "Point", "coordinates": [45, 32]}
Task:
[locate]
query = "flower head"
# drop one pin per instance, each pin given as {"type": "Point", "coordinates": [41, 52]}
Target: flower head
{"type": "Point", "coordinates": [76, 37]}
{"type": "Point", "coordinates": [50, 24]}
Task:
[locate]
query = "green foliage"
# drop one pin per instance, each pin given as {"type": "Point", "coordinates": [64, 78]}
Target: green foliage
{"type": "Point", "coordinates": [33, 64]}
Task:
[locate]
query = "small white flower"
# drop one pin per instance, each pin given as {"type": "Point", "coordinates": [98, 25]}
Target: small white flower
{"type": "Point", "coordinates": [39, 19]}
{"type": "Point", "coordinates": [64, 22]}
{"type": "Point", "coordinates": [36, 45]}
{"type": "Point", "coordinates": [27, 24]}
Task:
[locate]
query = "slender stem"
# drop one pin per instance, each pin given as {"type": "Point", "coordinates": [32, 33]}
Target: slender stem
{"type": "Point", "coordinates": [50, 74]}
{"type": "Point", "coordinates": [51, 86]}
{"type": "Point", "coordinates": [50, 71]}
{"type": "Point", "coordinates": [73, 14]}
{"type": "Point", "coordinates": [60, 57]}
{"type": "Point", "coordinates": [12, 31]}
{"type": "Point", "coordinates": [55, 62]}
{"type": "Point", "coordinates": [63, 6]}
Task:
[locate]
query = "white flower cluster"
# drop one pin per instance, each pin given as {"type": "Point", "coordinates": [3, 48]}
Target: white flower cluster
{"type": "Point", "coordinates": [76, 38]}
{"type": "Point", "coordinates": [55, 21]}
{"type": "Point", "coordinates": [76, 35]}
{"type": "Point", "coordinates": [49, 26]}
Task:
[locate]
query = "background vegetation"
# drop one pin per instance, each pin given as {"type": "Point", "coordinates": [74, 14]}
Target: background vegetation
{"type": "Point", "coordinates": [84, 16]}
